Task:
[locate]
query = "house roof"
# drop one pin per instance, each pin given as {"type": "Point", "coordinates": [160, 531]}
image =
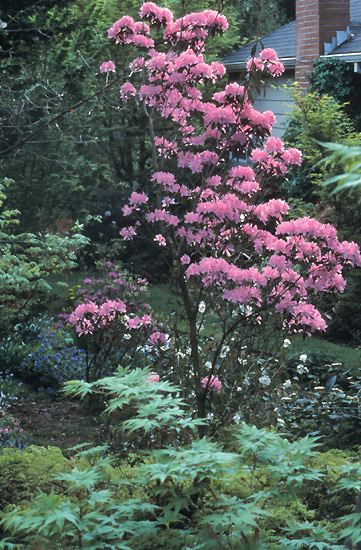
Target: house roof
{"type": "Point", "coordinates": [352, 46]}
{"type": "Point", "coordinates": [283, 40]}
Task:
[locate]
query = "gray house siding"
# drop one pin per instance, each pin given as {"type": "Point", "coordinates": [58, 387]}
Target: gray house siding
{"type": "Point", "coordinates": [355, 10]}
{"type": "Point", "coordinates": [279, 101]}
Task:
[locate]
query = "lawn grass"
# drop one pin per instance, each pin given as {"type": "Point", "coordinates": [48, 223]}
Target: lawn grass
{"type": "Point", "coordinates": [350, 357]}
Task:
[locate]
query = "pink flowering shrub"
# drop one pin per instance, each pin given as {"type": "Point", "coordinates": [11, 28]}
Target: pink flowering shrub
{"type": "Point", "coordinates": [232, 244]}
{"type": "Point", "coordinates": [111, 321]}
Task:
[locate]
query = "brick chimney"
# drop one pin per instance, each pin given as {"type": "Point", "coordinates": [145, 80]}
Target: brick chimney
{"type": "Point", "coordinates": [320, 26]}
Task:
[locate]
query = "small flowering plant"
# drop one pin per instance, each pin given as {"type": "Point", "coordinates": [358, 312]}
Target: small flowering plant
{"type": "Point", "coordinates": [10, 432]}
{"type": "Point", "coordinates": [111, 321]}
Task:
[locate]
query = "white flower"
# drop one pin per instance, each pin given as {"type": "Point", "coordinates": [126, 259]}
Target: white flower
{"type": "Point", "coordinates": [224, 351]}
{"type": "Point", "coordinates": [166, 343]}
{"type": "Point", "coordinates": [301, 369]}
{"type": "Point", "coordinates": [280, 421]}
{"type": "Point", "coordinates": [202, 307]}
{"type": "Point", "coordinates": [287, 384]}
{"type": "Point", "coordinates": [264, 380]}
{"type": "Point", "coordinates": [286, 343]}
{"type": "Point", "coordinates": [127, 336]}
{"type": "Point", "coordinates": [237, 418]}
{"type": "Point", "coordinates": [303, 357]}
{"type": "Point", "coordinates": [208, 365]}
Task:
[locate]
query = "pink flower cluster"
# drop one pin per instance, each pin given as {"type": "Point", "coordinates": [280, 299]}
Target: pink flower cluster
{"type": "Point", "coordinates": [212, 384]}
{"type": "Point", "coordinates": [274, 159]}
{"type": "Point", "coordinates": [156, 15]}
{"type": "Point", "coordinates": [158, 338]}
{"type": "Point", "coordinates": [127, 91]}
{"type": "Point", "coordinates": [267, 61]}
{"type": "Point", "coordinates": [127, 31]}
{"type": "Point", "coordinates": [154, 377]}
{"type": "Point", "coordinates": [107, 66]}
{"type": "Point", "coordinates": [87, 317]}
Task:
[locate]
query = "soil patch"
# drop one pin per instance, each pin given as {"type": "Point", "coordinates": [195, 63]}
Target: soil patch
{"type": "Point", "coordinates": [61, 423]}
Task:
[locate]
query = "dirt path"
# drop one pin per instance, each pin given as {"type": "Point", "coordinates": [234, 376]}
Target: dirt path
{"type": "Point", "coordinates": [58, 423]}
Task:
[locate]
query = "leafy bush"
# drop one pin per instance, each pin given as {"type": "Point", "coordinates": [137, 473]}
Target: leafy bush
{"type": "Point", "coordinates": [336, 78]}
{"type": "Point", "coordinates": [323, 403]}
{"type": "Point", "coordinates": [315, 366]}
{"type": "Point", "coordinates": [26, 262]}
{"type": "Point", "coordinates": [24, 473]}
{"type": "Point", "coordinates": [201, 495]}
{"type": "Point", "coordinates": [316, 119]}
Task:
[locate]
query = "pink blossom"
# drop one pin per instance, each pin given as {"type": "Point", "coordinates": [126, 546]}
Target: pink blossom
{"type": "Point", "coordinates": [274, 144]}
{"type": "Point", "coordinates": [107, 66]}
{"type": "Point", "coordinates": [158, 338]}
{"type": "Point", "coordinates": [125, 26]}
{"type": "Point", "coordinates": [155, 14]}
{"type": "Point", "coordinates": [185, 259]}
{"type": "Point", "coordinates": [160, 240]}
{"type": "Point", "coordinates": [137, 64]}
{"type": "Point", "coordinates": [268, 54]}
{"type": "Point", "coordinates": [214, 384]}
{"type": "Point", "coordinates": [146, 320]}
{"type": "Point", "coordinates": [154, 377]}
{"type": "Point", "coordinates": [127, 210]}
{"type": "Point", "coordinates": [141, 40]}
{"type": "Point", "coordinates": [127, 91]}
{"type": "Point", "coordinates": [138, 198]}
{"type": "Point", "coordinates": [127, 233]}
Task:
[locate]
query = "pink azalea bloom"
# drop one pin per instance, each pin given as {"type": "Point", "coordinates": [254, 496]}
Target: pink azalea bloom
{"type": "Point", "coordinates": [268, 54]}
{"type": "Point", "coordinates": [107, 66]}
{"type": "Point", "coordinates": [127, 233]}
{"type": "Point", "coordinates": [158, 338]}
{"type": "Point", "coordinates": [127, 91]}
{"type": "Point", "coordinates": [138, 198]}
{"type": "Point", "coordinates": [214, 384]}
{"type": "Point", "coordinates": [127, 210]}
{"type": "Point", "coordinates": [154, 377]}
{"type": "Point", "coordinates": [185, 259]}
{"type": "Point", "coordinates": [160, 240]}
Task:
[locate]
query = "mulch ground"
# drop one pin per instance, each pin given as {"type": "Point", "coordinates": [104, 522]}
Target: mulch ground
{"type": "Point", "coordinates": [61, 424]}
